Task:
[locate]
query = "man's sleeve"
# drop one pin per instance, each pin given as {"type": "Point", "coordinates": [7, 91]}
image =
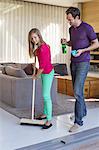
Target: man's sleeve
{"type": "Point", "coordinates": [91, 33]}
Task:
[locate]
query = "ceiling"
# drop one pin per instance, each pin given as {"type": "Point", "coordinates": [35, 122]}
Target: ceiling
{"type": "Point", "coordinates": [5, 6]}
{"type": "Point", "coordinates": [65, 3]}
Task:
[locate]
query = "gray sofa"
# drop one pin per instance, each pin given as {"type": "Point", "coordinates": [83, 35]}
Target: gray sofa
{"type": "Point", "coordinates": [17, 92]}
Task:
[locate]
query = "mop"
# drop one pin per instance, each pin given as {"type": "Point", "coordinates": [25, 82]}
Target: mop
{"type": "Point", "coordinates": [32, 121]}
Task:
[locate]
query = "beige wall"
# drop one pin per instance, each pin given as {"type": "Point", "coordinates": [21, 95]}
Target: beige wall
{"type": "Point", "coordinates": [90, 13]}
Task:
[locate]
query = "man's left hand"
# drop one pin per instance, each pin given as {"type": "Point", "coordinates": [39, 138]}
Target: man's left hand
{"type": "Point", "coordinates": [79, 52]}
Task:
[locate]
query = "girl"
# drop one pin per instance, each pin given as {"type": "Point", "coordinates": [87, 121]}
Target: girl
{"type": "Point", "coordinates": [42, 51]}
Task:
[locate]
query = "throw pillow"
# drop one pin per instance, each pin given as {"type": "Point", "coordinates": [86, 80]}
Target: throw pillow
{"type": "Point", "coordinates": [1, 67]}
{"type": "Point", "coordinates": [29, 69]}
{"type": "Point", "coordinates": [60, 69]}
{"type": "Point", "coordinates": [16, 72]}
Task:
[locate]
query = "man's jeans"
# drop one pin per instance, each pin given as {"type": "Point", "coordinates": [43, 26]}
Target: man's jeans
{"type": "Point", "coordinates": [79, 73]}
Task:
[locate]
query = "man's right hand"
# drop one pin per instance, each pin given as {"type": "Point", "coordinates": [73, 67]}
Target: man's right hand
{"type": "Point", "coordinates": [63, 41]}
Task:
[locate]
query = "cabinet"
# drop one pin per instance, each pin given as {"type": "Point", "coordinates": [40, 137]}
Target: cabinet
{"type": "Point", "coordinates": [91, 89]}
{"type": "Point", "coordinates": [94, 62]}
{"type": "Point", "coordinates": [61, 86]}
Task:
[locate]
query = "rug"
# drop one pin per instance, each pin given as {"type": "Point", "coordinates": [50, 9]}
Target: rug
{"type": "Point", "coordinates": [64, 105]}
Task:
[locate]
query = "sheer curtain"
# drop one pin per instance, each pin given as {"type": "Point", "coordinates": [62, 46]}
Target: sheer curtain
{"type": "Point", "coordinates": [17, 18]}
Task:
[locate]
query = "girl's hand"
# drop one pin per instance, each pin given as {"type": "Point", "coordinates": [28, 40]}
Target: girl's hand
{"type": "Point", "coordinates": [34, 77]}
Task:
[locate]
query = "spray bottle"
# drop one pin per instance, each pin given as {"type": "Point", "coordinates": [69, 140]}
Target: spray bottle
{"type": "Point", "coordinates": [64, 47]}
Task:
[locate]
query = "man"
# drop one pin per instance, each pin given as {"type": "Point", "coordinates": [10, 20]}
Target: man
{"type": "Point", "coordinates": [83, 39]}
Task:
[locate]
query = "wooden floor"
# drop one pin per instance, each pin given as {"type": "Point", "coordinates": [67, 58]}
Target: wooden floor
{"type": "Point", "coordinates": [91, 145]}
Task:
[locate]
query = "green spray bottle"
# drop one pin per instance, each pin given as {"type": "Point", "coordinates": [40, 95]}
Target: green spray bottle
{"type": "Point", "coordinates": [64, 49]}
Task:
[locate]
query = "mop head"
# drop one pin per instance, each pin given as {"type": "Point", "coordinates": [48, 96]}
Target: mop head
{"type": "Point", "coordinates": [34, 122]}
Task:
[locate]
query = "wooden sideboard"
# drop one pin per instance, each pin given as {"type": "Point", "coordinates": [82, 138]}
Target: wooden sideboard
{"type": "Point", "coordinates": [91, 87]}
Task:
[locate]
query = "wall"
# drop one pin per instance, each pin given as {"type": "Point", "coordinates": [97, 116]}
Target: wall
{"type": "Point", "coordinates": [90, 13]}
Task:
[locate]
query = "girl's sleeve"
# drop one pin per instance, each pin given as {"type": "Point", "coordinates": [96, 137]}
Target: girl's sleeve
{"type": "Point", "coordinates": [44, 56]}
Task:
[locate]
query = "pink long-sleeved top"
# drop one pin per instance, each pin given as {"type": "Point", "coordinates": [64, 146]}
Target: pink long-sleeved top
{"type": "Point", "coordinates": [44, 58]}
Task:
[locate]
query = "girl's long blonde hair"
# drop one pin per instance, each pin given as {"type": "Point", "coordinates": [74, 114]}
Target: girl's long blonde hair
{"type": "Point", "coordinates": [31, 44]}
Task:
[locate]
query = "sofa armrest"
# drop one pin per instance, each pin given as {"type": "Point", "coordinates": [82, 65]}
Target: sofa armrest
{"type": "Point", "coordinates": [16, 92]}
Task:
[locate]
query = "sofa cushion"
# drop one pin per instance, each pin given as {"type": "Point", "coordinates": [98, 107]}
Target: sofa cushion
{"type": "Point", "coordinates": [16, 72]}
{"type": "Point", "coordinates": [1, 67]}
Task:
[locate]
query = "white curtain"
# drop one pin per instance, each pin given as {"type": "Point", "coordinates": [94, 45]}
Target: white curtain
{"type": "Point", "coordinates": [17, 18]}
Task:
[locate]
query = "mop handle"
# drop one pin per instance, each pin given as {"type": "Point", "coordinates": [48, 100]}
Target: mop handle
{"type": "Point", "coordinates": [34, 66]}
{"type": "Point", "coordinates": [33, 94]}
